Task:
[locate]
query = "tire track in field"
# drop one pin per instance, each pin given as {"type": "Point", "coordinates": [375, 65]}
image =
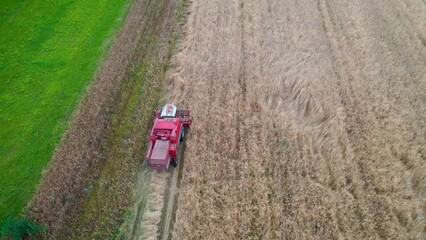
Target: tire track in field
{"type": "Point", "coordinates": [242, 78]}
{"type": "Point", "coordinates": [170, 207]}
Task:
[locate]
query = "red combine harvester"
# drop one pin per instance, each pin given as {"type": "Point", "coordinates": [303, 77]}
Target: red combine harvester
{"type": "Point", "coordinates": [168, 131]}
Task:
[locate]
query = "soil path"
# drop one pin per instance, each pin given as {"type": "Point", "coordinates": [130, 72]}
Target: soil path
{"type": "Point", "coordinates": [170, 206]}
{"type": "Point", "coordinates": [161, 190]}
{"type": "Point", "coordinates": [309, 120]}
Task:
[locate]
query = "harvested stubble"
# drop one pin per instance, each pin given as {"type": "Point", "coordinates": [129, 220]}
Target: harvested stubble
{"type": "Point", "coordinates": [309, 120]}
{"type": "Point", "coordinates": [88, 187]}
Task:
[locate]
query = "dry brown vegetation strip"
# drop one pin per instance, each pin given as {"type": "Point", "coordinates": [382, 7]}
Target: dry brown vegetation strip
{"type": "Point", "coordinates": [88, 186]}
{"type": "Point", "coordinates": [309, 120]}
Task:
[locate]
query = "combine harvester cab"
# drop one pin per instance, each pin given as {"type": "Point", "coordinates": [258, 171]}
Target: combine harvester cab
{"type": "Point", "coordinates": [166, 135]}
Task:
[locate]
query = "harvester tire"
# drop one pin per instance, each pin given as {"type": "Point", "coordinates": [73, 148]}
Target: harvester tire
{"type": "Point", "coordinates": [175, 163]}
{"type": "Point", "coordinates": [182, 134]}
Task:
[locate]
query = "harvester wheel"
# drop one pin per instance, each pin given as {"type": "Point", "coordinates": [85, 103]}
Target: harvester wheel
{"type": "Point", "coordinates": [182, 134]}
{"type": "Point", "coordinates": [175, 162]}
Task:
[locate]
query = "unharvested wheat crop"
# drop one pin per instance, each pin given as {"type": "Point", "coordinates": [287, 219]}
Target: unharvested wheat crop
{"type": "Point", "coordinates": [309, 120]}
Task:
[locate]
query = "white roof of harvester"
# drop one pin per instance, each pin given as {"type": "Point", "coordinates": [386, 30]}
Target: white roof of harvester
{"type": "Point", "coordinates": [169, 110]}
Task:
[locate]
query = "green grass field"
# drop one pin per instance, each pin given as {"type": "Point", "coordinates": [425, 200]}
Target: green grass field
{"type": "Point", "coordinates": [49, 51]}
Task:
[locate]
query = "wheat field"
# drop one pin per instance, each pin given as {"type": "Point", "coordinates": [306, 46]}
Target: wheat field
{"type": "Point", "coordinates": [309, 120]}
